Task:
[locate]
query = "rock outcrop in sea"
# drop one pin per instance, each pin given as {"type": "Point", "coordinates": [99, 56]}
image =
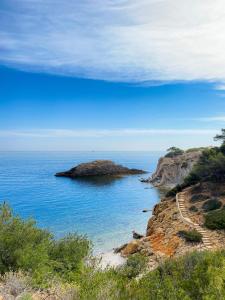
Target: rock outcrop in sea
{"type": "Point", "coordinates": [98, 168]}
{"type": "Point", "coordinates": [172, 170]}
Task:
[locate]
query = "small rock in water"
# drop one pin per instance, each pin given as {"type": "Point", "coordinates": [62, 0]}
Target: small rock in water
{"type": "Point", "coordinates": [136, 235]}
{"type": "Point", "coordinates": [144, 180]}
{"type": "Point", "coordinates": [119, 249]}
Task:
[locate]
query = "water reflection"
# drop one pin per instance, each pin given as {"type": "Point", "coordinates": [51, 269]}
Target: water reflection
{"type": "Point", "coordinates": [98, 180]}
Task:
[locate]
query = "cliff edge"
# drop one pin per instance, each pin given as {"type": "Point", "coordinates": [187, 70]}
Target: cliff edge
{"type": "Point", "coordinates": [190, 216]}
{"type": "Point", "coordinates": [172, 170]}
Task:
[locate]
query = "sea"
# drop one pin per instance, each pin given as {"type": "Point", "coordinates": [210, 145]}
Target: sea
{"type": "Point", "coordinates": [105, 210]}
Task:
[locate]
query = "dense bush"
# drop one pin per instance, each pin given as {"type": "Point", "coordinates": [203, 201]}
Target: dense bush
{"type": "Point", "coordinates": [198, 198]}
{"type": "Point", "coordinates": [60, 263]}
{"type": "Point", "coordinates": [195, 276]}
{"type": "Point", "coordinates": [211, 204]}
{"type": "Point", "coordinates": [192, 236]}
{"type": "Point", "coordinates": [25, 247]}
{"type": "Point", "coordinates": [174, 191]}
{"type": "Point", "coordinates": [195, 149]}
{"type": "Point", "coordinates": [215, 219]}
{"type": "Point", "coordinates": [174, 151]}
{"type": "Point", "coordinates": [210, 167]}
{"type": "Point", "coordinates": [135, 265]}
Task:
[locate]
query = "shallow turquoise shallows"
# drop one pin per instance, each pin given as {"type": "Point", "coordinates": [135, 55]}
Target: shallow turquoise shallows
{"type": "Point", "coordinates": [106, 210]}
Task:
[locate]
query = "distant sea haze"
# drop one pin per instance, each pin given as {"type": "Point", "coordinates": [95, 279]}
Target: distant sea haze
{"type": "Point", "coordinates": [105, 210]}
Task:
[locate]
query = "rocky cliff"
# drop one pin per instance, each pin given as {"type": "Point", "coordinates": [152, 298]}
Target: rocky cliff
{"type": "Point", "coordinates": [162, 239]}
{"type": "Point", "coordinates": [168, 222]}
{"type": "Point", "coordinates": [172, 170]}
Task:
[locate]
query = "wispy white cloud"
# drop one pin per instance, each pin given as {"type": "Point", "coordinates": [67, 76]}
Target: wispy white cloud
{"type": "Point", "coordinates": [118, 40]}
{"type": "Point", "coordinates": [212, 119]}
{"type": "Point", "coordinates": [98, 133]}
{"type": "Point", "coordinates": [220, 87]}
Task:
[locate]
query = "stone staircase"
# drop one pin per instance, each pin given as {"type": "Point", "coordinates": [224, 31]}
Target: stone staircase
{"type": "Point", "coordinates": [180, 199]}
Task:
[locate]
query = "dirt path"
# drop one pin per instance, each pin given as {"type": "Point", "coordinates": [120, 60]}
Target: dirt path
{"type": "Point", "coordinates": [180, 199]}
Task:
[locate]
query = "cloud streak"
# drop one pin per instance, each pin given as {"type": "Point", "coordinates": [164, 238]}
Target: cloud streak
{"type": "Point", "coordinates": [116, 40]}
{"type": "Point", "coordinates": [91, 133]}
{"type": "Point", "coordinates": [212, 119]}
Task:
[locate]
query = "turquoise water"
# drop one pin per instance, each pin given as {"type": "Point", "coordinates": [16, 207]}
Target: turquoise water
{"type": "Point", "coordinates": [107, 211]}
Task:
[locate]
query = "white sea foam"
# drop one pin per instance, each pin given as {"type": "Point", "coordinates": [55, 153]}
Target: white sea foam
{"type": "Point", "coordinates": [111, 259]}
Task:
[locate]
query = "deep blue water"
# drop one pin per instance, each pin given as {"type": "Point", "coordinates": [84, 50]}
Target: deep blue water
{"type": "Point", "coordinates": [107, 211]}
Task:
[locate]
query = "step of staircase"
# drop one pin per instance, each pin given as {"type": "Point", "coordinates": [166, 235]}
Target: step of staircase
{"type": "Point", "coordinates": [207, 244]}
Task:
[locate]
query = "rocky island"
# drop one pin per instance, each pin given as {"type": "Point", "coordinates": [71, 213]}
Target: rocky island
{"type": "Point", "coordinates": [98, 168]}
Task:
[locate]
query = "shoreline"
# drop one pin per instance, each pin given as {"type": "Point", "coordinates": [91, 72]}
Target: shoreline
{"type": "Point", "coordinates": [110, 259]}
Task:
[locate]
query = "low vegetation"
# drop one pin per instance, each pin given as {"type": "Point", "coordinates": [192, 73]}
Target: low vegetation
{"type": "Point", "coordinates": [211, 204]}
{"type": "Point", "coordinates": [23, 246]}
{"type": "Point", "coordinates": [174, 151]}
{"type": "Point", "coordinates": [209, 168]}
{"type": "Point", "coordinates": [192, 236]}
{"type": "Point", "coordinates": [198, 198]}
{"type": "Point", "coordinates": [32, 260]}
{"type": "Point", "coordinates": [215, 220]}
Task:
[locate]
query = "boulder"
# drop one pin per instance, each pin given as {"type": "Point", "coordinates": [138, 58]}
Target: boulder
{"type": "Point", "coordinates": [136, 235]}
{"type": "Point", "coordinates": [130, 248]}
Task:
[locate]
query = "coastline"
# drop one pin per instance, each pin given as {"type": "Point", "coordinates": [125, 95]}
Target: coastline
{"type": "Point", "coordinates": [110, 259]}
{"type": "Point", "coordinates": [173, 216]}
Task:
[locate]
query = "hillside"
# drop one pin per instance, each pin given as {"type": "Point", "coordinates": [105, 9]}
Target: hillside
{"type": "Point", "coordinates": [191, 216]}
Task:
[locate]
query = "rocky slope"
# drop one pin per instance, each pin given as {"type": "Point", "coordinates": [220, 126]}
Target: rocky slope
{"type": "Point", "coordinates": [172, 170]}
{"type": "Point", "coordinates": [163, 238]}
{"type": "Point", "coordinates": [98, 168]}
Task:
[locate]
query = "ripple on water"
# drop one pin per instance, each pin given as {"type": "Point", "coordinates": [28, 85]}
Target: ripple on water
{"type": "Point", "coordinates": [107, 211]}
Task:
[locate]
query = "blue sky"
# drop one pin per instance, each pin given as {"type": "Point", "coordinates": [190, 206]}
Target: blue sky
{"type": "Point", "coordinates": [111, 75]}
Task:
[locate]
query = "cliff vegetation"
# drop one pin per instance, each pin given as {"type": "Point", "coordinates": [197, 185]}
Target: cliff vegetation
{"type": "Point", "coordinates": [34, 265]}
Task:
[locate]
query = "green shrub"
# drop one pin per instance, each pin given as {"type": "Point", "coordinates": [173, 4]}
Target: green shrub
{"type": "Point", "coordinates": [25, 247]}
{"type": "Point", "coordinates": [193, 208]}
{"type": "Point", "coordinates": [199, 275]}
{"type": "Point", "coordinates": [174, 191]}
{"type": "Point", "coordinates": [192, 236]}
{"type": "Point", "coordinates": [174, 151]}
{"type": "Point", "coordinates": [198, 198]}
{"type": "Point", "coordinates": [192, 179]}
{"type": "Point", "coordinates": [135, 264]}
{"type": "Point", "coordinates": [194, 276]}
{"type": "Point", "coordinates": [195, 149]}
{"type": "Point", "coordinates": [210, 167]}
{"type": "Point", "coordinates": [26, 297]}
{"type": "Point", "coordinates": [215, 220]}
{"type": "Point", "coordinates": [211, 204]}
